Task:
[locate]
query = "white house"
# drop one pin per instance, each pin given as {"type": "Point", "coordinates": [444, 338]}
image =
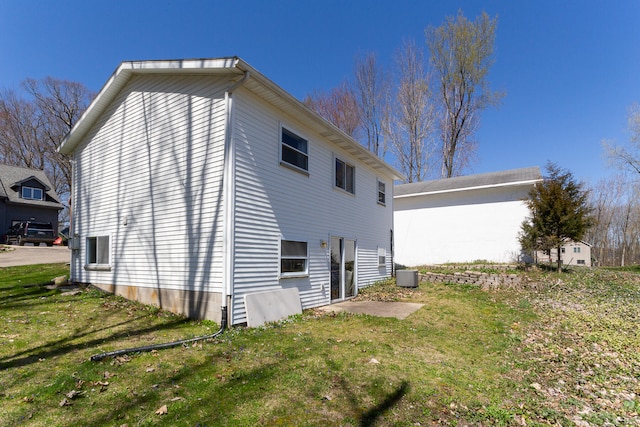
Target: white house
{"type": "Point", "coordinates": [462, 219]}
{"type": "Point", "coordinates": [571, 253]}
{"type": "Point", "coordinates": [198, 182]}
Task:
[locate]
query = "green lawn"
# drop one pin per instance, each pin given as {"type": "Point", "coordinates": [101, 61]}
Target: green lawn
{"type": "Point", "coordinates": [567, 354]}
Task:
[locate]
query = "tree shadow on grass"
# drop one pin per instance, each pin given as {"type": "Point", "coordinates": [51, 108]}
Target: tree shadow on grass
{"type": "Point", "coordinates": [66, 345]}
{"type": "Point", "coordinates": [16, 294]}
{"type": "Point", "coordinates": [368, 418]}
{"type": "Point", "coordinates": [71, 342]}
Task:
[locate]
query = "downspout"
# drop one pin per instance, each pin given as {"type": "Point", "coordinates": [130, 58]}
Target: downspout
{"type": "Point", "coordinates": [229, 185]}
{"type": "Point", "coordinates": [228, 189]}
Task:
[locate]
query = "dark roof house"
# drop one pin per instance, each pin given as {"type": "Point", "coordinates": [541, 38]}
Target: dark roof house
{"type": "Point", "coordinates": [26, 194]}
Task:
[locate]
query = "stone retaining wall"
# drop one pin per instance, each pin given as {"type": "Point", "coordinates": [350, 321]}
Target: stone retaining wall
{"type": "Point", "coordinates": [484, 280]}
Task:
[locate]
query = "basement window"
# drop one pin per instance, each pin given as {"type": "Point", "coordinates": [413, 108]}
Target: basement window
{"type": "Point", "coordinates": [382, 257]}
{"type": "Point", "coordinates": [294, 258]}
{"type": "Point", "coordinates": [98, 253]}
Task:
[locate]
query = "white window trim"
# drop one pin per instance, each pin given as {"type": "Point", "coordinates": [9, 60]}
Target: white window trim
{"type": "Point", "coordinates": [382, 252]}
{"type": "Point", "coordinates": [294, 274]}
{"type": "Point", "coordinates": [280, 144]}
{"type": "Point", "coordinates": [97, 266]}
{"type": "Point", "coordinates": [333, 176]}
{"type": "Point", "coordinates": [32, 190]}
{"type": "Point", "coordinates": [378, 182]}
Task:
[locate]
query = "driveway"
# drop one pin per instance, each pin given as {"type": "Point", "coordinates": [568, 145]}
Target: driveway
{"type": "Point", "coordinates": [26, 255]}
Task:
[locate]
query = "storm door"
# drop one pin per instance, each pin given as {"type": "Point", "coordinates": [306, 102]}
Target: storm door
{"type": "Point", "coordinates": [343, 268]}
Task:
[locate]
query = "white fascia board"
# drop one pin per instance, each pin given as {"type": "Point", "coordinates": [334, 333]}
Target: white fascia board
{"type": "Point", "coordinates": [479, 187]}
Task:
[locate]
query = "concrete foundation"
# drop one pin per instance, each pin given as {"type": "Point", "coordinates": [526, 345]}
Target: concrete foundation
{"type": "Point", "coordinates": [193, 304]}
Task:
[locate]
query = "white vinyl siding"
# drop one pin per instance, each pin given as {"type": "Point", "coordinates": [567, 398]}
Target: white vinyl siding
{"type": "Point", "coordinates": [152, 176]}
{"type": "Point", "coordinates": [151, 179]}
{"type": "Point", "coordinates": [273, 204]}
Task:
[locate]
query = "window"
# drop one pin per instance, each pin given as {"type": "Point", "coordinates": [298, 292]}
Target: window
{"type": "Point", "coordinates": [345, 176]}
{"type": "Point", "coordinates": [31, 193]}
{"type": "Point", "coordinates": [562, 250]}
{"type": "Point", "coordinates": [576, 250]}
{"type": "Point", "coordinates": [295, 150]}
{"type": "Point", "coordinates": [382, 194]}
{"type": "Point", "coordinates": [581, 262]}
{"type": "Point", "coordinates": [382, 257]}
{"type": "Point", "coordinates": [293, 258]}
{"type": "Point", "coordinates": [98, 250]}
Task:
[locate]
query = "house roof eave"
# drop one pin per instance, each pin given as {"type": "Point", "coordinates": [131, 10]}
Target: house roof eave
{"type": "Point", "coordinates": [257, 83]}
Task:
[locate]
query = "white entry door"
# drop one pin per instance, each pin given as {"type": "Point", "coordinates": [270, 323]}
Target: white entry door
{"type": "Point", "coordinates": [343, 268]}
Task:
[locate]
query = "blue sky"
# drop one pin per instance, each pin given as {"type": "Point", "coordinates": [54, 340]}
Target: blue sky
{"type": "Point", "coordinates": [570, 69]}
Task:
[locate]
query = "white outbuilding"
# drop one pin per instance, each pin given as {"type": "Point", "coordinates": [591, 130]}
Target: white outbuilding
{"type": "Point", "coordinates": [462, 219]}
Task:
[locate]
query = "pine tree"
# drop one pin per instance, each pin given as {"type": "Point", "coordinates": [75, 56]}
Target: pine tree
{"type": "Point", "coordinates": [559, 213]}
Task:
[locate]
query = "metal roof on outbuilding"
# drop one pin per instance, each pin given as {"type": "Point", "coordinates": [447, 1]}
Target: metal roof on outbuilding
{"type": "Point", "coordinates": [521, 176]}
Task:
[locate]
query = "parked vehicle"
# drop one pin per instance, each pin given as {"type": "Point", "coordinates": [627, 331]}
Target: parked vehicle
{"type": "Point", "coordinates": [31, 232]}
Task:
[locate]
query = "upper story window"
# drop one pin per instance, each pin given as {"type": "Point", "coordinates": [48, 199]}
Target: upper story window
{"type": "Point", "coordinates": [295, 150]}
{"type": "Point", "coordinates": [382, 193]}
{"type": "Point", "coordinates": [32, 193]}
{"type": "Point", "coordinates": [576, 249]}
{"type": "Point", "coordinates": [345, 176]}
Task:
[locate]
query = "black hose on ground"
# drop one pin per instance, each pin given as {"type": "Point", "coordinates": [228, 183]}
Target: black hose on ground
{"type": "Point", "coordinates": [223, 326]}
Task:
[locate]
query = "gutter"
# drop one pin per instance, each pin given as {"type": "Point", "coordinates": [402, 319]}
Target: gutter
{"type": "Point", "coordinates": [479, 187]}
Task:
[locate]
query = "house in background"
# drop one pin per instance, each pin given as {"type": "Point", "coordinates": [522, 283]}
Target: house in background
{"type": "Point", "coordinates": [571, 253]}
{"type": "Point", "coordinates": [198, 183]}
{"type": "Point", "coordinates": [462, 219]}
{"type": "Point", "coordinates": [26, 195]}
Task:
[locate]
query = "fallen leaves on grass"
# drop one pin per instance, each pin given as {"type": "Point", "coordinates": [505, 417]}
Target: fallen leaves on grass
{"type": "Point", "coordinates": [163, 410]}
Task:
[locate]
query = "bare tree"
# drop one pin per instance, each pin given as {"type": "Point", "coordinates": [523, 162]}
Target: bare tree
{"type": "Point", "coordinates": [21, 132]}
{"type": "Point", "coordinates": [409, 127]}
{"type": "Point", "coordinates": [31, 129]}
{"type": "Point", "coordinates": [60, 103]}
{"type": "Point", "coordinates": [371, 93]}
{"type": "Point", "coordinates": [627, 157]}
{"type": "Point", "coordinates": [339, 106]}
{"type": "Point", "coordinates": [461, 53]}
{"type": "Point", "coordinates": [604, 197]}
{"type": "Point", "coordinates": [615, 234]}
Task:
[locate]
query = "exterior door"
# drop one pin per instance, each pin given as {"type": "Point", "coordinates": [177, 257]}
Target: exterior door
{"type": "Point", "coordinates": [343, 268]}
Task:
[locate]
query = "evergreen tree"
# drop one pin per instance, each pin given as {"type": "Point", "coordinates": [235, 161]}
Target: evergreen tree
{"type": "Point", "coordinates": [560, 212]}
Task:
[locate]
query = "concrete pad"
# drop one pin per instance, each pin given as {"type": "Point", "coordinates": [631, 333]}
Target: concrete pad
{"type": "Point", "coordinates": [399, 310]}
{"type": "Point", "coordinates": [270, 306]}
